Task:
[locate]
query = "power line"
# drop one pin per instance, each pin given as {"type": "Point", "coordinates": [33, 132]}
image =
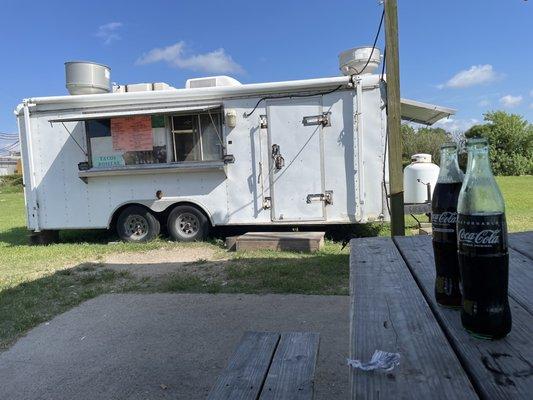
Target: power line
{"type": "Point", "coordinates": [246, 115]}
{"type": "Point", "coordinates": [375, 42]}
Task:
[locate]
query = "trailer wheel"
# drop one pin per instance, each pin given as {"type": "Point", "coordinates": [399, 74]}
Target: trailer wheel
{"type": "Point", "coordinates": [137, 224]}
{"type": "Point", "coordinates": [187, 224]}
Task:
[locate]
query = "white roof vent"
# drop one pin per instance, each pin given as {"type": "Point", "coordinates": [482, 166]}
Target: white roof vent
{"type": "Point", "coordinates": [211, 81]}
{"type": "Point", "coordinates": [359, 60]}
{"type": "Point", "coordinates": [141, 87]}
{"type": "Point", "coordinates": [87, 77]}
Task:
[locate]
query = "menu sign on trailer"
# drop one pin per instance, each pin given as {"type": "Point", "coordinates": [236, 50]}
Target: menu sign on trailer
{"type": "Point", "coordinates": [132, 133]}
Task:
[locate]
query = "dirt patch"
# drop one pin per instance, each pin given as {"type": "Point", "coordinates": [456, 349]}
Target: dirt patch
{"type": "Point", "coordinates": [198, 260]}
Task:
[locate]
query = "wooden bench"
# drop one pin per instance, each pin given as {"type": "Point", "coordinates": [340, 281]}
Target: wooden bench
{"type": "Point", "coordinates": [270, 365]}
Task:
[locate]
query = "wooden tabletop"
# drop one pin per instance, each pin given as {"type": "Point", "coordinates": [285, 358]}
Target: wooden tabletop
{"type": "Point", "coordinates": [393, 309]}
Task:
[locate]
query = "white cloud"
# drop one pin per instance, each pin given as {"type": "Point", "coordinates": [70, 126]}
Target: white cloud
{"type": "Point", "coordinates": [216, 61]}
{"type": "Point", "coordinates": [510, 101]}
{"type": "Point", "coordinates": [108, 32]}
{"type": "Point", "coordinates": [475, 75]}
{"type": "Point", "coordinates": [455, 125]}
{"type": "Point", "coordinates": [483, 103]}
{"type": "Point", "coordinates": [531, 106]}
{"type": "Point", "coordinates": [531, 93]}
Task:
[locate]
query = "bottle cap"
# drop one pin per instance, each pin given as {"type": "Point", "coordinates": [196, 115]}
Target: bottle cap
{"type": "Point", "coordinates": [476, 141]}
{"type": "Point", "coordinates": [450, 145]}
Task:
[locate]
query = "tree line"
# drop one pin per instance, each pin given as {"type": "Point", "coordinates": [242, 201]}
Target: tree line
{"type": "Point", "coordinates": [510, 138]}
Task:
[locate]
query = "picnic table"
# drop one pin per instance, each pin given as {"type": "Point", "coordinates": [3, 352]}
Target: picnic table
{"type": "Point", "coordinates": [393, 309]}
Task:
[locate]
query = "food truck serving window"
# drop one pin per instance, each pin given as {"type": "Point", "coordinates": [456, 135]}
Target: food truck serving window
{"type": "Point", "coordinates": [197, 137]}
{"type": "Point", "coordinates": [154, 139]}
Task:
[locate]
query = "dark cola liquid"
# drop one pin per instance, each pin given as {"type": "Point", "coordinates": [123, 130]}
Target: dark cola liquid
{"type": "Point", "coordinates": [484, 266]}
{"type": "Point", "coordinates": [443, 221]}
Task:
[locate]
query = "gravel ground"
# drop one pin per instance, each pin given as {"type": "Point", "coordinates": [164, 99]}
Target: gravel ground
{"type": "Point", "coordinates": [157, 263]}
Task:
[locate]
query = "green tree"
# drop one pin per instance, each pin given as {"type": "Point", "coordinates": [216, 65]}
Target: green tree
{"type": "Point", "coordinates": [423, 140]}
{"type": "Point", "coordinates": [510, 139]}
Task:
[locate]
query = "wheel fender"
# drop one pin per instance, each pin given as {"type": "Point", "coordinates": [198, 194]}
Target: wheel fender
{"type": "Point", "coordinates": [158, 206]}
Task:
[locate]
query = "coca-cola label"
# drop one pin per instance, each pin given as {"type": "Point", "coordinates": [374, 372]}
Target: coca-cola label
{"type": "Point", "coordinates": [482, 234]}
{"type": "Point", "coordinates": [444, 221]}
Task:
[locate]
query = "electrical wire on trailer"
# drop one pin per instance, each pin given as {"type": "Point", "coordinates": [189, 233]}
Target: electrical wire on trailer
{"type": "Point", "coordinates": [73, 138]}
{"type": "Point", "coordinates": [290, 96]}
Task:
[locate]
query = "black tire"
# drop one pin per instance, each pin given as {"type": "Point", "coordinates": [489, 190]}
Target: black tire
{"type": "Point", "coordinates": [137, 224]}
{"type": "Point", "coordinates": [187, 224]}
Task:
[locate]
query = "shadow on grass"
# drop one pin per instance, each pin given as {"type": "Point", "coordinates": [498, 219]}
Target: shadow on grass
{"type": "Point", "coordinates": [19, 236]}
{"type": "Point", "coordinates": [30, 303]}
{"type": "Point", "coordinates": [340, 232]}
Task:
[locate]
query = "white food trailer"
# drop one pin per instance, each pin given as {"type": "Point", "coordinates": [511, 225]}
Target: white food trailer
{"type": "Point", "coordinates": [214, 153]}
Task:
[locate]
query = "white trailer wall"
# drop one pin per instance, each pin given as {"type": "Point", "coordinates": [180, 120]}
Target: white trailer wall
{"type": "Point", "coordinates": [64, 201]}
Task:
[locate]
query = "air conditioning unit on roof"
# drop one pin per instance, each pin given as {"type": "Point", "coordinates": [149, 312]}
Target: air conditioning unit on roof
{"type": "Point", "coordinates": [211, 81]}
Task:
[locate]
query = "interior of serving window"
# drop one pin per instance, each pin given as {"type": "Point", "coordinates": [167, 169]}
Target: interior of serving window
{"type": "Point", "coordinates": [155, 139]}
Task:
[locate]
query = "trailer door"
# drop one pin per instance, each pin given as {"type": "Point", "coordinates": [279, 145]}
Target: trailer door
{"type": "Point", "coordinates": [296, 159]}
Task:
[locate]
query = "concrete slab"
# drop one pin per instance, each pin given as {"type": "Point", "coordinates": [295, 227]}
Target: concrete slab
{"type": "Point", "coordinates": [165, 346]}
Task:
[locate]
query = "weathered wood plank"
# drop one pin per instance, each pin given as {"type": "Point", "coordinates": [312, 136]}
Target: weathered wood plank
{"type": "Point", "coordinates": [501, 369]}
{"type": "Point", "coordinates": [284, 241]}
{"type": "Point", "coordinates": [246, 371]}
{"type": "Point", "coordinates": [291, 375]}
{"type": "Point", "coordinates": [521, 279]}
{"type": "Point", "coordinates": [522, 242]}
{"type": "Point", "coordinates": [388, 312]}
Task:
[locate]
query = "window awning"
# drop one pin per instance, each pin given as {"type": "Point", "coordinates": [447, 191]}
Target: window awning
{"type": "Point", "coordinates": [131, 112]}
{"type": "Point", "coordinates": [423, 113]}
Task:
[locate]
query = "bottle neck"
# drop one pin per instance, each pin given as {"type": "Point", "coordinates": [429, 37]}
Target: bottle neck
{"type": "Point", "coordinates": [480, 193]}
{"type": "Point", "coordinates": [449, 167]}
{"type": "Point", "coordinates": [478, 162]}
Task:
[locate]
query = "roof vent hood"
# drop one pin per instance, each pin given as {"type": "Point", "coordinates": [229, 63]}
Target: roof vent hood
{"type": "Point", "coordinates": [87, 77]}
{"type": "Point", "coordinates": [359, 60]}
{"type": "Point", "coordinates": [211, 81]}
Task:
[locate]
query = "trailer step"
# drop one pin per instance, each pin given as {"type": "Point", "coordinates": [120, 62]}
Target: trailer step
{"type": "Point", "coordinates": [308, 242]}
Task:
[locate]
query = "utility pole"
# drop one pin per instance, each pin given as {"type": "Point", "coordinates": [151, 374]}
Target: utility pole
{"type": "Point", "coordinates": [394, 119]}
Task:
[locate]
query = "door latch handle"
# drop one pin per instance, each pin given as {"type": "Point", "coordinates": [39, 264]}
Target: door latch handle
{"type": "Point", "coordinates": [326, 197]}
{"type": "Point", "coordinates": [322, 119]}
{"type": "Point", "coordinates": [279, 161]}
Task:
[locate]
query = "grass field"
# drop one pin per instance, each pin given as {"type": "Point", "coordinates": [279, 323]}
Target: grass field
{"type": "Point", "coordinates": [38, 282]}
{"type": "Point", "coordinates": [518, 194]}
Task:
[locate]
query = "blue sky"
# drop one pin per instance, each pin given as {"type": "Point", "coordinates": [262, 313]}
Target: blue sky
{"type": "Point", "coordinates": [471, 55]}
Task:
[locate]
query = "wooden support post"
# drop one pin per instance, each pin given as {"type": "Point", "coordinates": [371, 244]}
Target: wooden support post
{"type": "Point", "coordinates": [394, 119]}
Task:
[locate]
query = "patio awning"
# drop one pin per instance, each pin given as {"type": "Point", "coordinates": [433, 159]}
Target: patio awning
{"type": "Point", "coordinates": [126, 112]}
{"type": "Point", "coordinates": [423, 113]}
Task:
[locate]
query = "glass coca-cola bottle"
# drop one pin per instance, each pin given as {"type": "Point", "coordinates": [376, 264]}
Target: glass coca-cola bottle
{"type": "Point", "coordinates": [482, 248]}
{"type": "Point", "coordinates": [444, 227]}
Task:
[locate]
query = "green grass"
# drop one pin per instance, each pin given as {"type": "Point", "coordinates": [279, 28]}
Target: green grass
{"type": "Point", "coordinates": [39, 282]}
{"type": "Point", "coordinates": [324, 272]}
{"type": "Point", "coordinates": [518, 195]}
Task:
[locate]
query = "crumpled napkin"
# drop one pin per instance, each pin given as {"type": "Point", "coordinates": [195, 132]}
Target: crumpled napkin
{"type": "Point", "coordinates": [381, 360]}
